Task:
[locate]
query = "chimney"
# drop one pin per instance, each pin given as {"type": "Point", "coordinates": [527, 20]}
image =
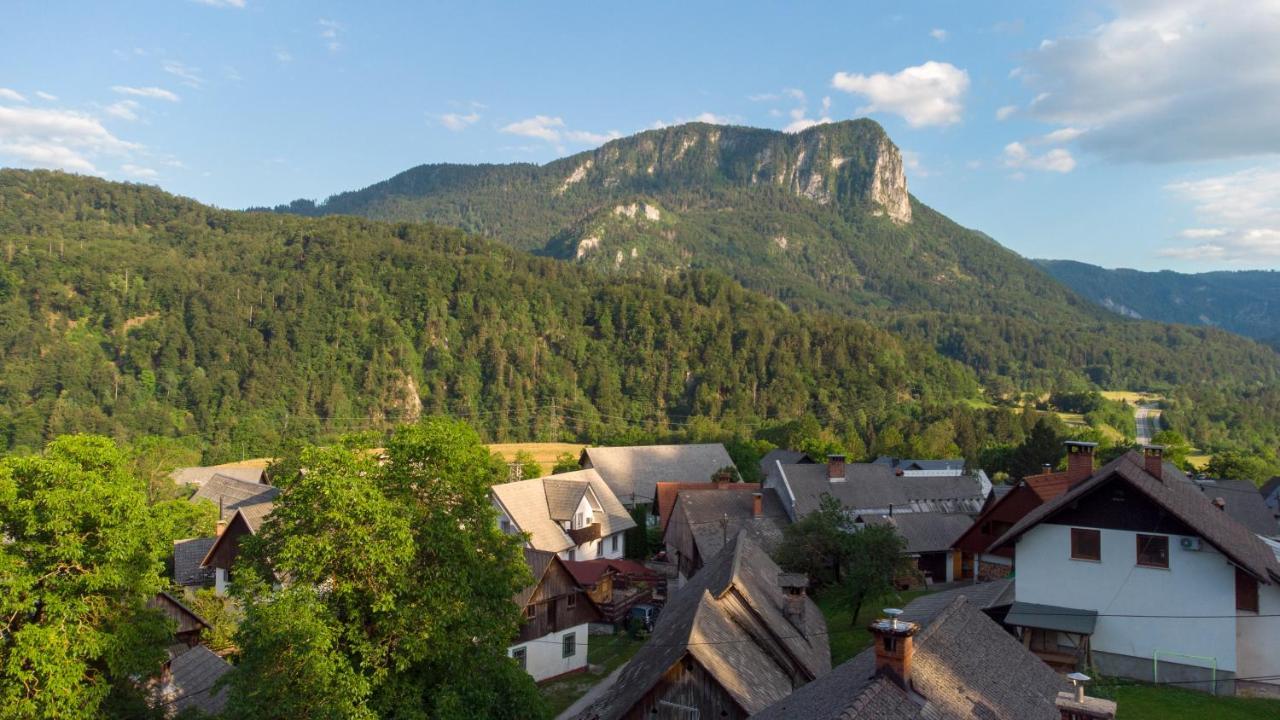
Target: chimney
{"type": "Point", "coordinates": [1220, 504]}
{"type": "Point", "coordinates": [1078, 706]}
{"type": "Point", "coordinates": [222, 524]}
{"type": "Point", "coordinates": [1079, 460]}
{"type": "Point", "coordinates": [793, 587]}
{"type": "Point", "coordinates": [835, 468]}
{"type": "Point", "coordinates": [1153, 460]}
{"type": "Point", "coordinates": [894, 647]}
{"type": "Point", "coordinates": [757, 505]}
{"type": "Point", "coordinates": [1046, 468]}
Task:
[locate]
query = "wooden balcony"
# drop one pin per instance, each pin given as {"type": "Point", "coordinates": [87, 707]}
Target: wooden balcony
{"type": "Point", "coordinates": [585, 534]}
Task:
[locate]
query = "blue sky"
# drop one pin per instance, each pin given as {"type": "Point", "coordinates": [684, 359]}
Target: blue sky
{"type": "Point", "coordinates": [1135, 133]}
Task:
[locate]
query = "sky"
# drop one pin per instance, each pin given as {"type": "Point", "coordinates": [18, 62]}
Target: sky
{"type": "Point", "coordinates": [1135, 133]}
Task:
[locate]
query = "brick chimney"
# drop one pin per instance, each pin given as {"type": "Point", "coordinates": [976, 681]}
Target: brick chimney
{"type": "Point", "coordinates": [1079, 460]}
{"type": "Point", "coordinates": [895, 647]}
{"type": "Point", "coordinates": [793, 587]}
{"type": "Point", "coordinates": [1153, 460]}
{"type": "Point", "coordinates": [757, 505]}
{"type": "Point", "coordinates": [1078, 706]}
{"type": "Point", "coordinates": [835, 468]}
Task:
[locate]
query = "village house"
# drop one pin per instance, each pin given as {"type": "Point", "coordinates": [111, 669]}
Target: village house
{"type": "Point", "coordinates": [701, 523]}
{"type": "Point", "coordinates": [1136, 571]}
{"type": "Point", "coordinates": [778, 456]}
{"type": "Point", "coordinates": [633, 473]}
{"type": "Point", "coordinates": [1242, 501]}
{"type": "Point", "coordinates": [869, 488]}
{"type": "Point", "coordinates": [941, 658]}
{"type": "Point", "coordinates": [198, 476]}
{"type": "Point", "coordinates": [557, 612]}
{"type": "Point", "coordinates": [573, 514]}
{"type": "Point", "coordinates": [665, 497]}
{"type": "Point", "coordinates": [929, 537]}
{"type": "Point", "coordinates": [1001, 512]}
{"type": "Point", "coordinates": [242, 507]}
{"type": "Point", "coordinates": [740, 636]}
{"type": "Point", "coordinates": [188, 683]}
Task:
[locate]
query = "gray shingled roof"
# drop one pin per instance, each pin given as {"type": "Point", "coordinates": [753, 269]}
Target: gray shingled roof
{"type": "Point", "coordinates": [869, 486]}
{"type": "Point", "coordinates": [187, 556]}
{"type": "Point", "coordinates": [538, 562]}
{"type": "Point", "coordinates": [538, 506]}
{"type": "Point", "coordinates": [1182, 499]}
{"type": "Point", "coordinates": [192, 677]}
{"type": "Point", "coordinates": [954, 465]}
{"type": "Point", "coordinates": [1244, 503]}
{"type": "Point", "coordinates": [637, 470]}
{"type": "Point", "coordinates": [703, 510]}
{"type": "Point", "coordinates": [201, 475]}
{"type": "Point", "coordinates": [926, 531]}
{"type": "Point", "coordinates": [729, 618]}
{"type": "Point", "coordinates": [965, 666]}
{"type": "Point", "coordinates": [234, 493]}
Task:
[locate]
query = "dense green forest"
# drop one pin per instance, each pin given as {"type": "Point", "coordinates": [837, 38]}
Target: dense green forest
{"type": "Point", "coordinates": [131, 312]}
{"type": "Point", "coordinates": [1242, 301]}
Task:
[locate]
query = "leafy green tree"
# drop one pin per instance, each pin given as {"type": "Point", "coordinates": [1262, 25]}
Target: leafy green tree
{"type": "Point", "coordinates": [223, 614]}
{"type": "Point", "coordinates": [875, 558]}
{"type": "Point", "coordinates": [81, 555]}
{"type": "Point", "coordinates": [565, 462]}
{"type": "Point", "coordinates": [1233, 465]}
{"type": "Point", "coordinates": [153, 458]}
{"type": "Point", "coordinates": [819, 544]}
{"type": "Point", "coordinates": [1176, 447]}
{"type": "Point", "coordinates": [400, 587]}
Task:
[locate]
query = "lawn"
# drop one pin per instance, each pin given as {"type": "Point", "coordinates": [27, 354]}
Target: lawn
{"type": "Point", "coordinates": [544, 453]}
{"type": "Point", "coordinates": [604, 654]}
{"type": "Point", "coordinates": [1133, 398]}
{"type": "Point", "coordinates": [1163, 702]}
{"type": "Point", "coordinates": [848, 640]}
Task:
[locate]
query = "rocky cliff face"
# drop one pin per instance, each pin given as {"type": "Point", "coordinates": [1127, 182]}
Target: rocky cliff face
{"type": "Point", "coordinates": [852, 163]}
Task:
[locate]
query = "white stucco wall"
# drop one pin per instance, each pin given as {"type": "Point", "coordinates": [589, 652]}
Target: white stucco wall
{"type": "Point", "coordinates": [1258, 637]}
{"type": "Point", "coordinates": [1196, 583]}
{"type": "Point", "coordinates": [545, 654]}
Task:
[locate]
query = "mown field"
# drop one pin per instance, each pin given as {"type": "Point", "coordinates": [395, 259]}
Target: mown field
{"type": "Point", "coordinates": [544, 453]}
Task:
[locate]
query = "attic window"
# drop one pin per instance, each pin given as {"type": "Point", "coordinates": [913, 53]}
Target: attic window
{"type": "Point", "coordinates": [530, 611]}
{"type": "Point", "coordinates": [1153, 551]}
{"type": "Point", "coordinates": [571, 601]}
{"type": "Point", "coordinates": [1086, 544]}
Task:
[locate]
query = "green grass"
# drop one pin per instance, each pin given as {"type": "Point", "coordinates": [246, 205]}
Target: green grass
{"type": "Point", "coordinates": [604, 654]}
{"type": "Point", "coordinates": [1163, 702]}
{"type": "Point", "coordinates": [848, 639]}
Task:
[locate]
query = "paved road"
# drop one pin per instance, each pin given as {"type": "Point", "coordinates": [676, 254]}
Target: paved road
{"type": "Point", "coordinates": [593, 694]}
{"type": "Point", "coordinates": [1148, 422]}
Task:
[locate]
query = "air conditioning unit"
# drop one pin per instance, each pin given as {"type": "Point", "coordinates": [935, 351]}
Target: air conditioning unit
{"type": "Point", "coordinates": [1189, 543]}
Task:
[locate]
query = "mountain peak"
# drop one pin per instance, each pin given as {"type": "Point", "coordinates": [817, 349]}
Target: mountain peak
{"type": "Point", "coordinates": [850, 163]}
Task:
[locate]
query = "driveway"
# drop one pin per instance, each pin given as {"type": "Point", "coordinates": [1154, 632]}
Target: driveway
{"type": "Point", "coordinates": [595, 693]}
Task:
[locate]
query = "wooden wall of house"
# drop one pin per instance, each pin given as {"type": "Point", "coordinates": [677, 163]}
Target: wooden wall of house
{"type": "Point", "coordinates": [686, 685]}
{"type": "Point", "coordinates": [1117, 506]}
{"type": "Point", "coordinates": [228, 545]}
{"type": "Point", "coordinates": [602, 591]}
{"type": "Point", "coordinates": [551, 605]}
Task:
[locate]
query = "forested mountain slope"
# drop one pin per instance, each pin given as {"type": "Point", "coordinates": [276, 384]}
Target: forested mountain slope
{"type": "Point", "coordinates": [127, 310]}
{"type": "Point", "coordinates": [130, 311]}
{"type": "Point", "coordinates": [818, 219]}
{"type": "Point", "coordinates": [1242, 301]}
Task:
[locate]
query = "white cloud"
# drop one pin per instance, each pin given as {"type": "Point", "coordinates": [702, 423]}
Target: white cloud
{"type": "Point", "coordinates": [1202, 233]}
{"type": "Point", "coordinates": [800, 121]}
{"type": "Point", "coordinates": [190, 76]}
{"type": "Point", "coordinates": [938, 34]}
{"type": "Point", "coordinates": [1056, 160]}
{"type": "Point", "coordinates": [1061, 135]}
{"type": "Point", "coordinates": [1006, 112]}
{"type": "Point", "coordinates": [587, 137]}
{"type": "Point", "coordinates": [12, 95]}
{"type": "Point", "coordinates": [703, 117]}
{"type": "Point", "coordinates": [45, 96]}
{"type": "Point", "coordinates": [138, 171]}
{"type": "Point", "coordinates": [284, 56]}
{"type": "Point", "coordinates": [329, 30]}
{"type": "Point", "coordinates": [147, 92]}
{"type": "Point", "coordinates": [124, 109]}
{"type": "Point", "coordinates": [1167, 80]}
{"type": "Point", "coordinates": [458, 121]}
{"type": "Point", "coordinates": [928, 94]}
{"type": "Point", "coordinates": [1242, 215]}
{"type": "Point", "coordinates": [542, 127]}
{"type": "Point", "coordinates": [239, 4]}
{"type": "Point", "coordinates": [57, 139]}
{"type": "Point", "coordinates": [911, 161]}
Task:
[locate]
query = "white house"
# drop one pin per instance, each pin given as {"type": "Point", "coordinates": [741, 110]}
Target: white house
{"type": "Point", "coordinates": [573, 514]}
{"type": "Point", "coordinates": [557, 614]}
{"type": "Point", "coordinates": [1138, 573]}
